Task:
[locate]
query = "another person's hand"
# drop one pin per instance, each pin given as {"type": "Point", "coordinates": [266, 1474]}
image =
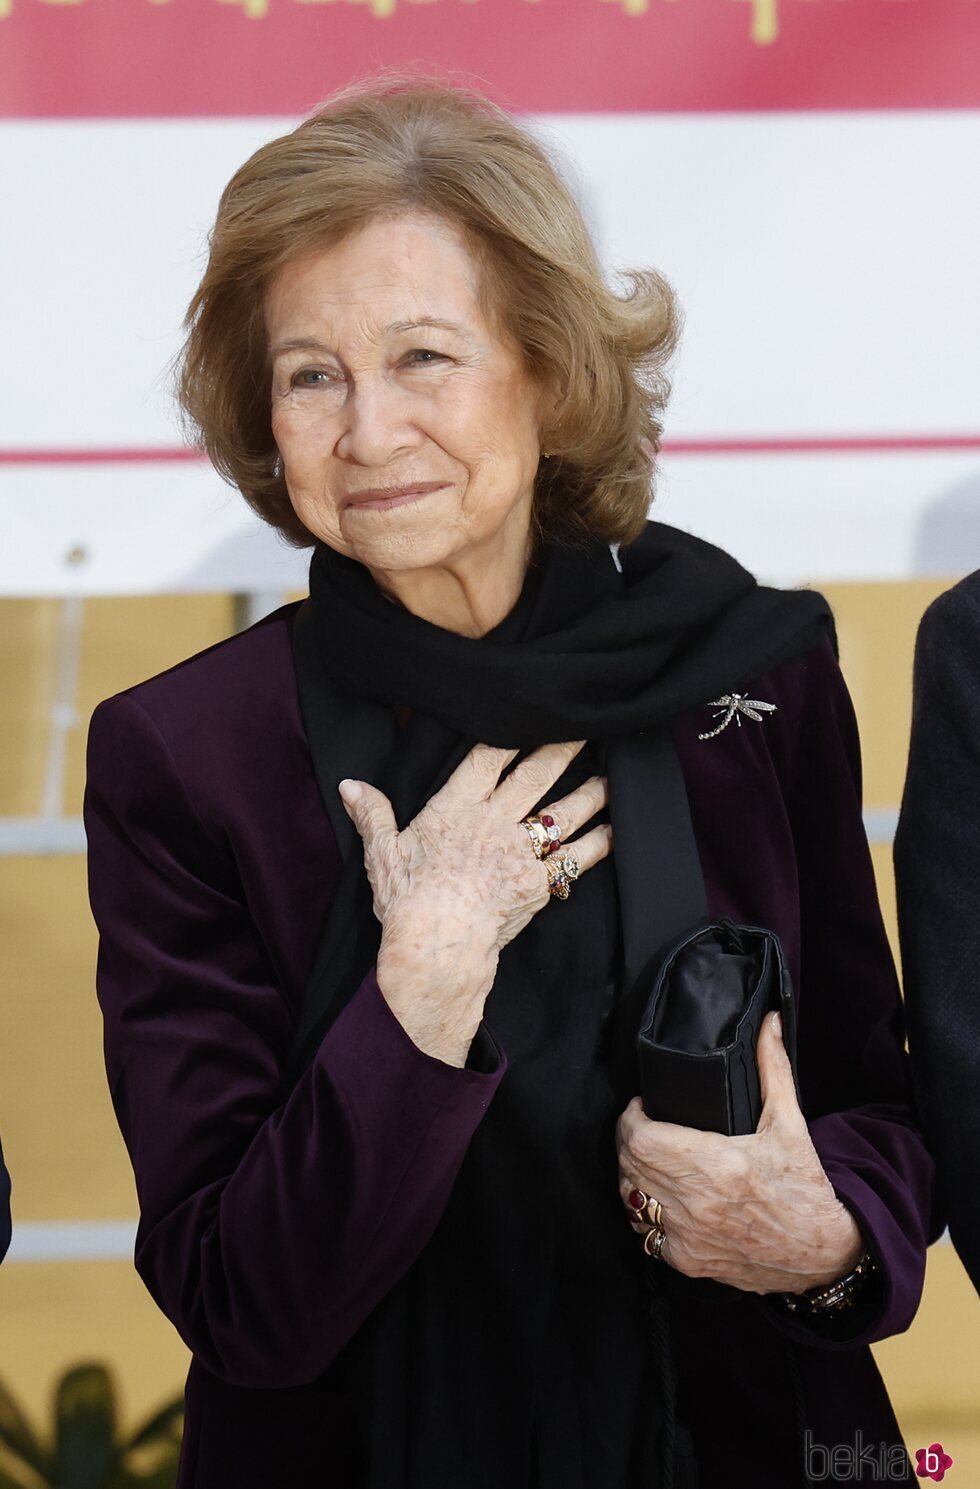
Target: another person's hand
{"type": "Point", "coordinates": [461, 881]}
{"type": "Point", "coordinates": [757, 1212]}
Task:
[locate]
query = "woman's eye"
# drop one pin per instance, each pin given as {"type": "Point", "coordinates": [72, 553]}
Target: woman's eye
{"type": "Point", "coordinates": [423, 356]}
{"type": "Point", "coordinates": [312, 377]}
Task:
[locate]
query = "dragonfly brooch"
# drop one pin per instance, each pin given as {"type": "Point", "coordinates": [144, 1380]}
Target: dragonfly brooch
{"type": "Point", "coordinates": [733, 705]}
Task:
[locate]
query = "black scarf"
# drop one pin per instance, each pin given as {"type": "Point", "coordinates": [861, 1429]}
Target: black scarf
{"type": "Point", "coordinates": [589, 653]}
{"type": "Point", "coordinates": [513, 1351]}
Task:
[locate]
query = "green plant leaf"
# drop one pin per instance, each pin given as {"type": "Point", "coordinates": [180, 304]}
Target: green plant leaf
{"type": "Point", "coordinates": [162, 1476]}
{"type": "Point", "coordinates": [17, 1435]}
{"type": "Point", "coordinates": [6, 1482]}
{"type": "Point", "coordinates": [85, 1428]}
{"type": "Point", "coordinates": [162, 1426]}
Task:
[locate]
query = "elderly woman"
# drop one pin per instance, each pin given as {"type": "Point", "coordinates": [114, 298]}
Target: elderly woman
{"type": "Point", "coordinates": [395, 1197]}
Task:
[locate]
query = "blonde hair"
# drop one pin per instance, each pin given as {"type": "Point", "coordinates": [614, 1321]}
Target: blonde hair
{"type": "Point", "coordinates": [410, 144]}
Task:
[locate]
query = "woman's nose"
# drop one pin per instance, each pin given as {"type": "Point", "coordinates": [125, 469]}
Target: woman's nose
{"type": "Point", "coordinates": [377, 423]}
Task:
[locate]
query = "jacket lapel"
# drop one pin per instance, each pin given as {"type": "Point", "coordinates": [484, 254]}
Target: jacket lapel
{"type": "Point", "coordinates": [346, 737]}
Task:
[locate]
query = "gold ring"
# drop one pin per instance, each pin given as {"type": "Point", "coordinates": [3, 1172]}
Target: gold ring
{"type": "Point", "coordinates": [653, 1242]}
{"type": "Point", "coordinates": [638, 1203]}
{"type": "Point", "coordinates": [544, 833]}
{"type": "Point", "coordinates": [559, 883]}
{"type": "Point", "coordinates": [642, 1214]}
{"type": "Point", "coordinates": [540, 841]}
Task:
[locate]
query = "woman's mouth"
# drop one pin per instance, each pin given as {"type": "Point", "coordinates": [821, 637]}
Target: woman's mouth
{"type": "Point", "coordinates": [383, 498]}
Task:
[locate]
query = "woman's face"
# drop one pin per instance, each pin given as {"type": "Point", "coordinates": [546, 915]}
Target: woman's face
{"type": "Point", "coordinates": [407, 425]}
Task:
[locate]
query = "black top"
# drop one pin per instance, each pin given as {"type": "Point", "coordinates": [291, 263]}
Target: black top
{"type": "Point", "coordinates": [516, 1348]}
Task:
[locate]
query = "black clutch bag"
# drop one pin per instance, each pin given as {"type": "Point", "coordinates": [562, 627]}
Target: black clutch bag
{"type": "Point", "coordinates": [704, 1000]}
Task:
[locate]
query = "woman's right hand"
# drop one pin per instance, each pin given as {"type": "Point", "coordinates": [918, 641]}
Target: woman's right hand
{"type": "Point", "coordinates": [461, 881]}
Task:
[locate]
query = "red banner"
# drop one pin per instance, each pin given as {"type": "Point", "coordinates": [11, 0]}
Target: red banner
{"type": "Point", "coordinates": [117, 58]}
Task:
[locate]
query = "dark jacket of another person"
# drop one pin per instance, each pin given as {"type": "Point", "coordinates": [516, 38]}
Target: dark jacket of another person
{"type": "Point", "coordinates": [937, 869]}
{"type": "Point", "coordinates": [5, 1226]}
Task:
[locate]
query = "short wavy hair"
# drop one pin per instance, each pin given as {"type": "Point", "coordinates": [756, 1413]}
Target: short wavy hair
{"type": "Point", "coordinates": [414, 144]}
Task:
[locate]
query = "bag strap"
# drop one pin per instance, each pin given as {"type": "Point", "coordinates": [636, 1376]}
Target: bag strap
{"type": "Point", "coordinates": [661, 893]}
{"type": "Point", "coordinates": [658, 874]}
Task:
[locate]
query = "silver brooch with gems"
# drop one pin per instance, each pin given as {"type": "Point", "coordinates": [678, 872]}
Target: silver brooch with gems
{"type": "Point", "coordinates": [733, 706]}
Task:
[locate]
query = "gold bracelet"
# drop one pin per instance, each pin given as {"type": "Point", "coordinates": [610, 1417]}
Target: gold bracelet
{"type": "Point", "coordinates": [834, 1295]}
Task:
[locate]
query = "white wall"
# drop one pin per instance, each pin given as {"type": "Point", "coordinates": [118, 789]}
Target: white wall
{"type": "Point", "coordinates": [825, 262]}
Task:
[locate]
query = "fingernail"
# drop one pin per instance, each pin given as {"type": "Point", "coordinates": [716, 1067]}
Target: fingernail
{"type": "Point", "coordinates": [349, 792]}
{"type": "Point", "coordinates": [777, 1024]}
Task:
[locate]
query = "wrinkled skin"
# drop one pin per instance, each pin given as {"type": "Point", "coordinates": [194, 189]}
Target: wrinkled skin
{"type": "Point", "coordinates": [757, 1212]}
{"type": "Point", "coordinates": [390, 376]}
{"type": "Point", "coordinates": [447, 912]}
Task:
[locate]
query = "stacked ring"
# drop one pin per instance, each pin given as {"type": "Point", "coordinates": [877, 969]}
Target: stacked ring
{"type": "Point", "coordinates": [653, 1242]}
{"type": "Point", "coordinates": [544, 834]}
{"type": "Point", "coordinates": [563, 870]}
{"type": "Point", "coordinates": [654, 1235]}
{"type": "Point", "coordinates": [639, 1205]}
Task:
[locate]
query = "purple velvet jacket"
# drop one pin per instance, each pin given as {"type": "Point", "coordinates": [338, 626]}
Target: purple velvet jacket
{"type": "Point", "coordinates": [268, 1232]}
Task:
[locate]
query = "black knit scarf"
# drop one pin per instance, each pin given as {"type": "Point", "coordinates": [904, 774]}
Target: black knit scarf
{"type": "Point", "coordinates": [513, 1350]}
{"type": "Point", "coordinates": [589, 653]}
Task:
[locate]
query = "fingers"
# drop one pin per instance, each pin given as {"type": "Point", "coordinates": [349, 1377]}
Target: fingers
{"type": "Point", "coordinates": [475, 777]}
{"type": "Point", "coordinates": [650, 1221]}
{"type": "Point", "coordinates": [776, 1084]}
{"type": "Point", "coordinates": [369, 810]}
{"type": "Point", "coordinates": [629, 1187]}
{"type": "Point", "coordinates": [578, 807]}
{"type": "Point", "coordinates": [534, 777]}
{"type": "Point", "coordinates": [587, 850]}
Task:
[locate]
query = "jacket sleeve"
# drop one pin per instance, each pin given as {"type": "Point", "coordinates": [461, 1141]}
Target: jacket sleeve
{"type": "Point", "coordinates": [937, 872]}
{"type": "Point", "coordinates": [853, 1067]}
{"type": "Point", "coordinates": [269, 1228]}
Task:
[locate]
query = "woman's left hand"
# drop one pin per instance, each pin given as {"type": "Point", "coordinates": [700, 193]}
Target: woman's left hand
{"type": "Point", "coordinates": [757, 1212]}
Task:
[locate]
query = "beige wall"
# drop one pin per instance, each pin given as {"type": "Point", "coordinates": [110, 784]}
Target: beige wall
{"type": "Point", "coordinates": [59, 1134]}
